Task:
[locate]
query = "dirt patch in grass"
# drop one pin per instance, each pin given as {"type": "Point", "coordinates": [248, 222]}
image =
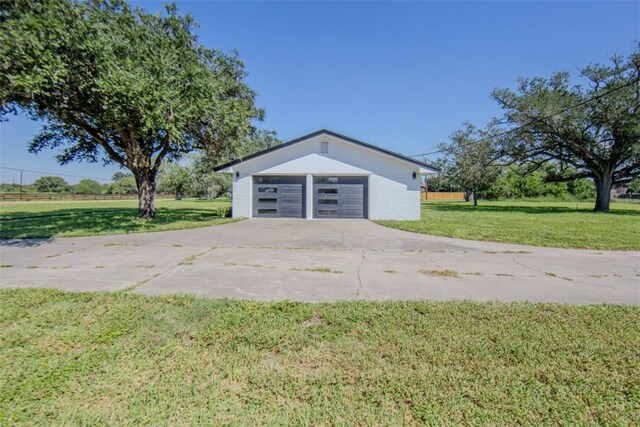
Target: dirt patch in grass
{"type": "Point", "coordinates": [314, 321]}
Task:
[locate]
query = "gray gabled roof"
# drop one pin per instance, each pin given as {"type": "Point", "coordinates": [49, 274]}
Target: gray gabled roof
{"type": "Point", "coordinates": [328, 132]}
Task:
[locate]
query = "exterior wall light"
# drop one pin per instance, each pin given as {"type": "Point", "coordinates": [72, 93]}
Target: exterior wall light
{"type": "Point", "coordinates": [415, 175]}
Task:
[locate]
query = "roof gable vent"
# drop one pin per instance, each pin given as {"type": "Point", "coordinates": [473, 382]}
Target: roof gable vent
{"type": "Point", "coordinates": [324, 147]}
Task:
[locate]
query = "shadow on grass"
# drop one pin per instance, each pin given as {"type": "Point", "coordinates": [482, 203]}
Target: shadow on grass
{"type": "Point", "coordinates": [24, 243]}
{"type": "Point", "coordinates": [93, 222]}
{"type": "Point", "coordinates": [22, 215]}
{"type": "Point", "coordinates": [468, 207]}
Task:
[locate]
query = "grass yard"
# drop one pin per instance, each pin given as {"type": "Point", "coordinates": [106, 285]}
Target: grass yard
{"type": "Point", "coordinates": [90, 218]}
{"type": "Point", "coordinates": [123, 359]}
{"type": "Point", "coordinates": [555, 224]}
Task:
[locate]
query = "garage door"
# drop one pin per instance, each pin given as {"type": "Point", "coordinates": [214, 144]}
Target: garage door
{"type": "Point", "coordinates": [339, 197]}
{"type": "Point", "coordinates": [278, 196]}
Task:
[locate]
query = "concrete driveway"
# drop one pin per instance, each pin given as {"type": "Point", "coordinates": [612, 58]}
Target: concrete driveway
{"type": "Point", "coordinates": [325, 260]}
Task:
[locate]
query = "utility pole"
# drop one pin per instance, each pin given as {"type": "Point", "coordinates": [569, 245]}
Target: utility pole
{"type": "Point", "coordinates": [20, 184]}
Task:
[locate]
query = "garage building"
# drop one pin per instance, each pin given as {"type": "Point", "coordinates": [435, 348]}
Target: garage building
{"type": "Point", "coordinates": [326, 175]}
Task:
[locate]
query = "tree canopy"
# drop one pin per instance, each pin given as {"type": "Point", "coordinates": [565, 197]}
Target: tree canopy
{"type": "Point", "coordinates": [121, 183]}
{"type": "Point", "coordinates": [588, 130]}
{"type": "Point", "coordinates": [51, 184]}
{"type": "Point", "coordinates": [116, 84]}
{"type": "Point", "coordinates": [88, 186]}
{"type": "Point", "coordinates": [470, 159]}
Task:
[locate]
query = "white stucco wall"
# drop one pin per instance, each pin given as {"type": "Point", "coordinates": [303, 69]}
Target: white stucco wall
{"type": "Point", "coordinates": [393, 192]}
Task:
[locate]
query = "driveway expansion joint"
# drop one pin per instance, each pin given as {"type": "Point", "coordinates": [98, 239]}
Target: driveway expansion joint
{"type": "Point", "coordinates": [358, 270]}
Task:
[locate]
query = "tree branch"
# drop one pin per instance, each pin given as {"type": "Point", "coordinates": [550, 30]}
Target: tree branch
{"type": "Point", "coordinates": [101, 140]}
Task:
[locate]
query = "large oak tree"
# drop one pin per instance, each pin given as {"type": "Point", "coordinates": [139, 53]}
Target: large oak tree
{"type": "Point", "coordinates": [589, 130]}
{"type": "Point", "coordinates": [117, 84]}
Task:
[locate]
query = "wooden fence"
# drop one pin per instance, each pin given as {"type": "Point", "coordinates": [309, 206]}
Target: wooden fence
{"type": "Point", "coordinates": [27, 197]}
{"type": "Point", "coordinates": [441, 196]}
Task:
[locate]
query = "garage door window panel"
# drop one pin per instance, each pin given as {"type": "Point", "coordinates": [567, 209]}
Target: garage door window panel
{"type": "Point", "coordinates": [269, 201]}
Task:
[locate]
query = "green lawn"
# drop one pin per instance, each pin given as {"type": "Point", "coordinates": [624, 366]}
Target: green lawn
{"type": "Point", "coordinates": [556, 224]}
{"type": "Point", "coordinates": [123, 359]}
{"type": "Point", "coordinates": [89, 218]}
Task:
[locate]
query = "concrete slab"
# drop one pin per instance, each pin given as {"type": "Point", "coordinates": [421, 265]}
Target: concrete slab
{"type": "Point", "coordinates": [322, 260]}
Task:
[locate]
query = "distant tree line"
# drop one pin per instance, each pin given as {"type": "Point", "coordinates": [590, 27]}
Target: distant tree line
{"type": "Point", "coordinates": [515, 182]}
{"type": "Point", "coordinates": [122, 183]}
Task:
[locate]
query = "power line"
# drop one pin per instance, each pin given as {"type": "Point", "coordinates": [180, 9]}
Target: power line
{"type": "Point", "coordinates": [56, 174]}
{"type": "Point", "coordinates": [571, 107]}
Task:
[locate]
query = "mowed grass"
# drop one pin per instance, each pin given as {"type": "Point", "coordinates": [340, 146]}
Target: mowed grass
{"type": "Point", "coordinates": [123, 359]}
{"type": "Point", "coordinates": [555, 224]}
{"type": "Point", "coordinates": [89, 218]}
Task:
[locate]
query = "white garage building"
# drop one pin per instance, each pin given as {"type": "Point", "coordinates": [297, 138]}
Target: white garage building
{"type": "Point", "coordinates": [326, 175]}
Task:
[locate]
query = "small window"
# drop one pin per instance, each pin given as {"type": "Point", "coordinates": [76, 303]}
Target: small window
{"type": "Point", "coordinates": [327, 180]}
{"type": "Point", "coordinates": [331, 212]}
{"type": "Point", "coordinates": [327, 191]}
{"type": "Point", "coordinates": [267, 189]}
{"type": "Point", "coordinates": [324, 147]}
{"type": "Point", "coordinates": [268, 211]}
{"type": "Point", "coordinates": [328, 201]}
{"type": "Point", "coordinates": [267, 201]}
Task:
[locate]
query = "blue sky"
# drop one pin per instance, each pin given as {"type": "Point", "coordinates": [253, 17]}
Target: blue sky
{"type": "Point", "coordinates": [402, 75]}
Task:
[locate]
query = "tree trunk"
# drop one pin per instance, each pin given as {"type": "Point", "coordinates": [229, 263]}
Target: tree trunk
{"type": "Point", "coordinates": [475, 198]}
{"type": "Point", "coordinates": [146, 182]}
{"type": "Point", "coordinates": [603, 193]}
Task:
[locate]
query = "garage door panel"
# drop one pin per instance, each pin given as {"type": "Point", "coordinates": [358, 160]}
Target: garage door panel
{"type": "Point", "coordinates": [280, 197]}
{"type": "Point", "coordinates": [339, 197]}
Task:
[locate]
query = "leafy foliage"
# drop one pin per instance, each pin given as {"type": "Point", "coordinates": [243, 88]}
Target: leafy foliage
{"type": "Point", "coordinates": [88, 186]}
{"type": "Point", "coordinates": [471, 164]}
{"type": "Point", "coordinates": [15, 188]}
{"type": "Point", "coordinates": [122, 184]}
{"type": "Point", "coordinates": [175, 178]}
{"type": "Point", "coordinates": [517, 182]}
{"type": "Point", "coordinates": [51, 184]}
{"type": "Point", "coordinates": [118, 84]}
